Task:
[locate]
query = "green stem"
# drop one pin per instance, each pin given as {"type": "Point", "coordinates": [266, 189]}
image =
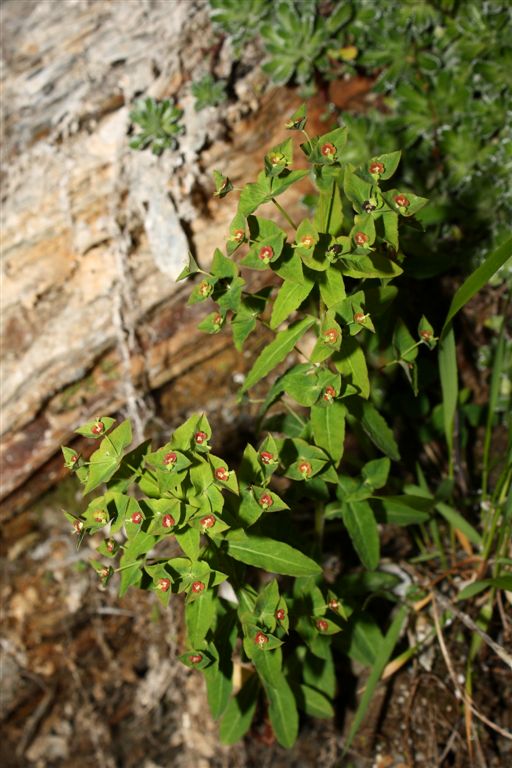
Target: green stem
{"type": "Point", "coordinates": [319, 524]}
{"type": "Point", "coordinates": [285, 214]}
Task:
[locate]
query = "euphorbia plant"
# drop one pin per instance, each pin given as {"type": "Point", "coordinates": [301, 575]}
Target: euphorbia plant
{"type": "Point", "coordinates": [179, 520]}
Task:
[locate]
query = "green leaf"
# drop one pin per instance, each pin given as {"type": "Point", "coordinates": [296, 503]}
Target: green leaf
{"type": "Point", "coordinates": [332, 287]}
{"type": "Point", "coordinates": [105, 461]}
{"type": "Point", "coordinates": [222, 267]}
{"type": "Point", "coordinates": [320, 673]}
{"type": "Point", "coordinates": [362, 638]}
{"type": "Point", "coordinates": [254, 194]}
{"type": "Point", "coordinates": [289, 298]}
{"type": "Point", "coordinates": [190, 269]}
{"type": "Point", "coordinates": [281, 184]}
{"type": "Point", "coordinates": [273, 556]}
{"type": "Point", "coordinates": [240, 712]}
{"type": "Point", "coordinates": [276, 351]}
{"type": "Point", "coordinates": [131, 561]}
{"type": "Point", "coordinates": [218, 686]}
{"type": "Point", "coordinates": [499, 582]}
{"type": "Point", "coordinates": [328, 424]}
{"type": "Point", "coordinates": [403, 510]}
{"type": "Point", "coordinates": [404, 343]}
{"type": "Point", "coordinates": [241, 327]}
{"type": "Point", "coordinates": [314, 703]}
{"type": "Point", "coordinates": [390, 221]}
{"type": "Point", "coordinates": [87, 429]}
{"type": "Point", "coordinates": [375, 426]}
{"type": "Point", "coordinates": [384, 651]}
{"type": "Point", "coordinates": [351, 363]}
{"type": "Point", "coordinates": [361, 525]}
{"type": "Point", "coordinates": [457, 521]}
{"type": "Point", "coordinates": [375, 473]}
{"type": "Point", "coordinates": [371, 265]}
{"type": "Point", "coordinates": [476, 281]}
{"type": "Point", "coordinates": [199, 615]}
{"type": "Point", "coordinates": [282, 708]}
{"type": "Point", "coordinates": [297, 121]}
{"type": "Point", "coordinates": [449, 385]}
{"type": "Point", "coordinates": [329, 211]}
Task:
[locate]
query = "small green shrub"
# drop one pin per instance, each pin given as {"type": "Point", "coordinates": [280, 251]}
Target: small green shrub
{"type": "Point", "coordinates": [281, 616]}
{"type": "Point", "coordinates": [208, 92]}
{"type": "Point", "coordinates": [159, 125]}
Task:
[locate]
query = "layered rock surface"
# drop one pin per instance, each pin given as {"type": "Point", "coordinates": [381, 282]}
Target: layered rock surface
{"type": "Point", "coordinates": [95, 234]}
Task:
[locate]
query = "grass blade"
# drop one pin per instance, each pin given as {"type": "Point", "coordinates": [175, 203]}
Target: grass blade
{"type": "Point", "coordinates": [477, 280]}
{"type": "Point", "coordinates": [381, 659]}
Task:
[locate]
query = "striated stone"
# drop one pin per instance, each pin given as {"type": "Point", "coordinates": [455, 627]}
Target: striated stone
{"type": "Point", "coordinates": [94, 233]}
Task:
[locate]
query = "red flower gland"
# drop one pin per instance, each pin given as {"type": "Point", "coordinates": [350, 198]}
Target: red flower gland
{"type": "Point", "coordinates": [208, 521]}
{"type": "Point", "coordinates": [329, 394]}
{"type": "Point", "coordinates": [360, 317]}
{"type": "Point", "coordinates": [360, 238]}
{"type": "Point", "coordinates": [218, 320]}
{"type": "Point", "coordinates": [307, 241]}
{"type": "Point", "coordinates": [328, 150]}
{"type": "Point", "coordinates": [402, 201]}
{"type": "Point", "coordinates": [266, 501]}
{"type": "Point", "coordinates": [376, 168]}
{"type": "Point", "coordinates": [260, 638]}
{"type": "Point", "coordinates": [426, 335]}
{"type": "Point", "coordinates": [280, 614]}
{"type": "Point", "coordinates": [78, 526]}
{"type": "Point", "coordinates": [195, 658]}
{"type": "Point", "coordinates": [305, 469]}
{"type": "Point", "coordinates": [222, 474]}
{"type": "Point", "coordinates": [100, 517]}
{"type": "Point", "coordinates": [266, 457]}
{"type": "Point", "coordinates": [200, 437]}
{"type": "Point", "coordinates": [266, 253]}
{"type": "Point", "coordinates": [110, 545]}
{"type": "Point", "coordinates": [198, 587]}
{"type": "Point", "coordinates": [170, 459]}
{"type": "Point", "coordinates": [73, 459]}
{"type": "Point", "coordinates": [163, 585]}
{"type": "Point", "coordinates": [334, 605]}
{"type": "Point", "coordinates": [98, 428]}
{"type": "Point", "coordinates": [322, 625]}
{"type": "Point", "coordinates": [238, 235]}
{"type": "Point", "coordinates": [168, 521]}
{"type": "Point", "coordinates": [103, 573]}
{"type": "Point", "coordinates": [331, 336]}
{"type": "Point", "coordinates": [137, 518]}
{"type": "Point", "coordinates": [205, 288]}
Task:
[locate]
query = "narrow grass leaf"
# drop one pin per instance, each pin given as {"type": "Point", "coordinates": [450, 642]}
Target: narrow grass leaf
{"type": "Point", "coordinates": [381, 659]}
{"type": "Point", "coordinates": [476, 281]}
{"type": "Point", "coordinates": [457, 521]}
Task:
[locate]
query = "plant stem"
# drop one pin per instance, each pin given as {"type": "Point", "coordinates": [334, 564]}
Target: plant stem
{"type": "Point", "coordinates": [285, 214]}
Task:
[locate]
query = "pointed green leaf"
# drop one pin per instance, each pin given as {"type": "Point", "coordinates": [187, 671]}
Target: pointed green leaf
{"type": "Point", "coordinates": [273, 556]}
{"type": "Point", "coordinates": [351, 363]}
{"type": "Point", "coordinates": [375, 426]}
{"type": "Point", "coordinates": [362, 527]}
{"type": "Point", "coordinates": [240, 711]}
{"type": "Point", "coordinates": [289, 298]}
{"type": "Point", "coordinates": [328, 425]}
{"type": "Point", "coordinates": [199, 616]}
{"type": "Point", "coordinates": [276, 351]}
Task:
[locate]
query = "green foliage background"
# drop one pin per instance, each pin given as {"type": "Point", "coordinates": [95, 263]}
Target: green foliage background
{"type": "Point", "coordinates": [443, 73]}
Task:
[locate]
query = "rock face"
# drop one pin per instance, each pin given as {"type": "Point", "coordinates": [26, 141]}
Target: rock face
{"type": "Point", "coordinates": [94, 233]}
